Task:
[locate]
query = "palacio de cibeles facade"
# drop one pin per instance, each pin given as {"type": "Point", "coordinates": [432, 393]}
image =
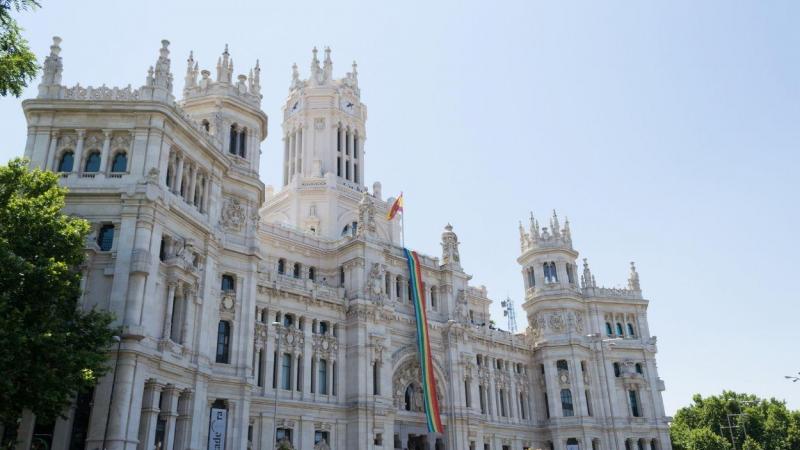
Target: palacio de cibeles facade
{"type": "Point", "coordinates": [258, 318]}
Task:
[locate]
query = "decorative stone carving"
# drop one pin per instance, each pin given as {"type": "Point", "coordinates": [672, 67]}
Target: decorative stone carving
{"type": "Point", "coordinates": [366, 216]}
{"type": "Point", "coordinates": [319, 123]}
{"type": "Point", "coordinates": [556, 322]}
{"type": "Point", "coordinates": [233, 214]}
{"type": "Point", "coordinates": [376, 283]}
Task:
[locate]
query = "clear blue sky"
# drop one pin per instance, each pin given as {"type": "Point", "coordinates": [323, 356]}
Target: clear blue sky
{"type": "Point", "coordinates": [666, 131]}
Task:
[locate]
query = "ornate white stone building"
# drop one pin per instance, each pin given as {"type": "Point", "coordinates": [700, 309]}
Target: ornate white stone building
{"type": "Point", "coordinates": [253, 315]}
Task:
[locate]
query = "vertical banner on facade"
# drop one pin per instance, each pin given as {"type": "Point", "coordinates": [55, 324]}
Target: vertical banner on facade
{"type": "Point", "coordinates": [216, 429]}
{"type": "Point", "coordinates": [428, 380]}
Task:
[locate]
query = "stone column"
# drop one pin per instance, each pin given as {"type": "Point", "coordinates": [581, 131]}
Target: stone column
{"type": "Point", "coordinates": [25, 430]}
{"type": "Point", "coordinates": [285, 160]}
{"type": "Point", "coordinates": [150, 410]}
{"type": "Point", "coordinates": [182, 425]}
{"type": "Point", "coordinates": [78, 165]}
{"type": "Point", "coordinates": [176, 186]}
{"type": "Point", "coordinates": [167, 329]}
{"type": "Point", "coordinates": [140, 266]}
{"type": "Point", "coordinates": [647, 444]}
{"type": "Point", "coordinates": [292, 152]}
{"type": "Point", "coordinates": [299, 151]}
{"type": "Point", "coordinates": [192, 185]}
{"type": "Point", "coordinates": [170, 414]}
{"type": "Point", "coordinates": [188, 311]}
{"type": "Point", "coordinates": [104, 163]}
{"type": "Point", "coordinates": [293, 373]}
{"type": "Point", "coordinates": [121, 429]}
{"type": "Point", "coordinates": [51, 153]}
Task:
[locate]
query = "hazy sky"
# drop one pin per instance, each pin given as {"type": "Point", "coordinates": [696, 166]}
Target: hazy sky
{"type": "Point", "coordinates": [666, 131]}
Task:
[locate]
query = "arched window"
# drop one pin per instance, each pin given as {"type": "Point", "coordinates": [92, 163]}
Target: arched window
{"type": "Point", "coordinates": [620, 331]}
{"type": "Point", "coordinates": [105, 237]}
{"type": "Point", "coordinates": [631, 331]}
{"type": "Point", "coordinates": [531, 277]}
{"type": "Point", "coordinates": [296, 270]}
{"type": "Point", "coordinates": [409, 396]}
{"type": "Point", "coordinates": [281, 266]}
{"type": "Point", "coordinates": [410, 291]}
{"type": "Point", "coordinates": [92, 162]}
{"type": "Point", "coordinates": [566, 403]}
{"type": "Point", "coordinates": [553, 272]}
{"type": "Point", "coordinates": [609, 329]}
{"type": "Point", "coordinates": [346, 230]}
{"type": "Point", "coordinates": [223, 342]}
{"type": "Point", "coordinates": [634, 399]}
{"type": "Point", "coordinates": [311, 274]}
{"type": "Point", "coordinates": [206, 125]}
{"type": "Point", "coordinates": [66, 162]}
{"type": "Point", "coordinates": [120, 162]}
{"type": "Point", "coordinates": [323, 327]}
{"type": "Point", "coordinates": [234, 140]}
{"type": "Point", "coordinates": [639, 369]}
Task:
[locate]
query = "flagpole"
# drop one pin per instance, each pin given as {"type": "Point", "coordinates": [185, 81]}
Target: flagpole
{"type": "Point", "coordinates": [403, 226]}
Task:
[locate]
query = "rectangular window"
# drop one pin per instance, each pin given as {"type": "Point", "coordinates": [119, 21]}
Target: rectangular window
{"type": "Point", "coordinates": [286, 371]}
{"type": "Point", "coordinates": [566, 403]}
{"type": "Point", "coordinates": [482, 393]}
{"type": "Point", "coordinates": [467, 396]}
{"type": "Point", "coordinates": [322, 376]}
{"type": "Point", "coordinates": [228, 283]}
{"type": "Point", "coordinates": [275, 370]}
{"type": "Point", "coordinates": [260, 368]}
{"type": "Point", "coordinates": [355, 173]}
{"type": "Point", "coordinates": [333, 378]}
{"type": "Point", "coordinates": [105, 237]}
{"type": "Point", "coordinates": [320, 436]}
{"type": "Point", "coordinates": [502, 403]}
{"type": "Point", "coordinates": [299, 381]}
{"type": "Point", "coordinates": [339, 166]}
{"type": "Point", "coordinates": [522, 411]}
{"type": "Point", "coordinates": [283, 434]}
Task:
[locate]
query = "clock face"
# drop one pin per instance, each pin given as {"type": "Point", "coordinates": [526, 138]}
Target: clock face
{"type": "Point", "coordinates": [348, 106]}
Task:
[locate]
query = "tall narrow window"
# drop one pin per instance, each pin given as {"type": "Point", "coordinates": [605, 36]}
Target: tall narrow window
{"type": "Point", "coordinates": [334, 377]}
{"type": "Point", "coordinates": [531, 277]}
{"type": "Point", "coordinates": [355, 172]}
{"type": "Point", "coordinates": [242, 142]}
{"type": "Point", "coordinates": [322, 377]}
{"type": "Point", "coordinates": [120, 162]}
{"type": "Point", "coordinates": [467, 393]}
{"type": "Point", "coordinates": [286, 371]}
{"type": "Point", "coordinates": [398, 287]}
{"type": "Point", "coordinates": [311, 273]}
{"type": "Point", "coordinates": [341, 276]}
{"type": "Point", "coordinates": [482, 395]}
{"type": "Point", "coordinates": [223, 342]}
{"type": "Point", "coordinates": [234, 139]}
{"type": "Point", "coordinates": [522, 411]}
{"type": "Point", "coordinates": [588, 403]}
{"type": "Point", "coordinates": [409, 395]}
{"type": "Point", "coordinates": [410, 291]}
{"type": "Point", "coordinates": [92, 162]}
{"type": "Point", "coordinates": [634, 399]}
{"type": "Point", "coordinates": [260, 368]}
{"type": "Point", "coordinates": [338, 166]}
{"type": "Point", "coordinates": [502, 403]}
{"type": "Point", "coordinates": [616, 369]}
{"type": "Point", "coordinates": [631, 331]}
{"type": "Point", "coordinates": [66, 162]}
{"type": "Point", "coordinates": [376, 378]}
{"type": "Point", "coordinates": [546, 406]}
{"type": "Point", "coordinates": [570, 274]}
{"type": "Point", "coordinates": [609, 329]}
{"type": "Point", "coordinates": [299, 381]}
{"type": "Point", "coordinates": [296, 270]}
{"type": "Point", "coordinates": [105, 238]}
{"type": "Point", "coordinates": [566, 403]}
{"type": "Point", "coordinates": [281, 266]}
{"type": "Point", "coordinates": [639, 369]}
{"type": "Point", "coordinates": [620, 331]}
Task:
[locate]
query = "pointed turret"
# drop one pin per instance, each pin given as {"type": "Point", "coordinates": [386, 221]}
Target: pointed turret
{"type": "Point", "coordinates": [255, 80]}
{"type": "Point", "coordinates": [225, 67]}
{"type": "Point", "coordinates": [555, 226]}
{"type": "Point", "coordinates": [316, 71]}
{"type": "Point", "coordinates": [327, 71]}
{"type": "Point", "coordinates": [190, 80]}
{"type": "Point", "coordinates": [51, 71]}
{"type": "Point", "coordinates": [587, 279]}
{"type": "Point", "coordinates": [566, 231]}
{"type": "Point", "coordinates": [158, 84]}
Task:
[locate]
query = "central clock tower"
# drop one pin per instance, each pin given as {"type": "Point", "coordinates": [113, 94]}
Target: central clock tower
{"type": "Point", "coordinates": [323, 125]}
{"type": "Point", "coordinates": [323, 155]}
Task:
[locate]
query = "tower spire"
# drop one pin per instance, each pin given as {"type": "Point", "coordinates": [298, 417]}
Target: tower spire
{"type": "Point", "coordinates": [315, 69]}
{"type": "Point", "coordinates": [190, 80]}
{"type": "Point", "coordinates": [633, 279]}
{"type": "Point", "coordinates": [327, 74]}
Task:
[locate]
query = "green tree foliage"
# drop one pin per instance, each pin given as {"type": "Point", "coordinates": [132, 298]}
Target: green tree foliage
{"type": "Point", "coordinates": [17, 62]}
{"type": "Point", "coordinates": [50, 348]}
{"type": "Point", "coordinates": [763, 424]}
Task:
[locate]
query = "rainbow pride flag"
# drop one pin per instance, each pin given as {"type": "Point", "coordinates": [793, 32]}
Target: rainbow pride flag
{"type": "Point", "coordinates": [424, 345]}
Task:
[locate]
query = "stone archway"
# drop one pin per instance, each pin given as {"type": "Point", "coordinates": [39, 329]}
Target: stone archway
{"type": "Point", "coordinates": [406, 381]}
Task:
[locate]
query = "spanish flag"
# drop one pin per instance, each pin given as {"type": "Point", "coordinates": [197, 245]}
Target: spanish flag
{"type": "Point", "coordinates": [397, 206]}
